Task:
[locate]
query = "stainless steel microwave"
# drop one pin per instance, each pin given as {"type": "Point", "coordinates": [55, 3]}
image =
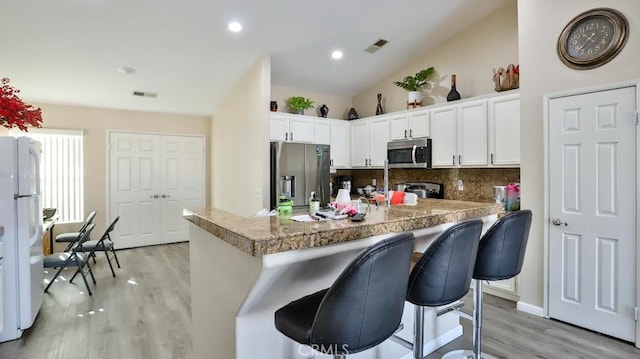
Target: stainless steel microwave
{"type": "Point", "coordinates": [409, 153]}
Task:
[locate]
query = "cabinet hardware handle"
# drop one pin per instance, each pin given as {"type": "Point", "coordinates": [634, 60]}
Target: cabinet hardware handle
{"type": "Point", "coordinates": [411, 133]}
{"type": "Point", "coordinates": [292, 136]}
{"type": "Point", "coordinates": [459, 159]}
{"type": "Point", "coordinates": [453, 159]}
{"type": "Point", "coordinates": [492, 158]}
{"type": "Point", "coordinates": [286, 136]}
{"type": "Point", "coordinates": [405, 133]}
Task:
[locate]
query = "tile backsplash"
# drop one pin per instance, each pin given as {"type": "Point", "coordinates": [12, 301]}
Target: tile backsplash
{"type": "Point", "coordinates": [478, 182]}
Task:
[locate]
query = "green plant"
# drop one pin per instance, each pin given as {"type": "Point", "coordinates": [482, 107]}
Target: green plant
{"type": "Point", "coordinates": [415, 83]}
{"type": "Point", "coordinates": [298, 103]}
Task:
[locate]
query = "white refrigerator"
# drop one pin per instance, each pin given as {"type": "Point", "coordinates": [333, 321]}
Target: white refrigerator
{"type": "Point", "coordinates": [22, 288]}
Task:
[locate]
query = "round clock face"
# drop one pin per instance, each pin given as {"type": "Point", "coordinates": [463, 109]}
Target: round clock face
{"type": "Point", "coordinates": [592, 38]}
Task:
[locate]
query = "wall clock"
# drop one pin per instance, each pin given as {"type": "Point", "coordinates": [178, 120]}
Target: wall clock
{"type": "Point", "coordinates": [593, 38]}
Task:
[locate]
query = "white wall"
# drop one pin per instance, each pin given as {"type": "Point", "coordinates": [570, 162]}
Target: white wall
{"type": "Point", "coordinates": [471, 55]}
{"type": "Point", "coordinates": [240, 142]}
{"type": "Point", "coordinates": [338, 105]}
{"type": "Point", "coordinates": [540, 23]}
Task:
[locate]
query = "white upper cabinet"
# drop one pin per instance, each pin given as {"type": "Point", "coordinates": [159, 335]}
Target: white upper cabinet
{"type": "Point", "coordinates": [340, 144]}
{"type": "Point", "coordinates": [322, 132]}
{"type": "Point", "coordinates": [459, 134]}
{"type": "Point", "coordinates": [443, 135]}
{"type": "Point", "coordinates": [369, 139]}
{"type": "Point", "coordinates": [504, 130]}
{"type": "Point", "coordinates": [409, 125]}
{"type": "Point", "coordinates": [291, 128]}
{"type": "Point", "coordinates": [360, 143]}
{"type": "Point", "coordinates": [472, 134]}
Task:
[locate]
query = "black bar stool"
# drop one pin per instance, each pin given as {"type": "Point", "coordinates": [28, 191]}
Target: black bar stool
{"type": "Point", "coordinates": [443, 273]}
{"type": "Point", "coordinates": [500, 256]}
{"type": "Point", "coordinates": [361, 309]}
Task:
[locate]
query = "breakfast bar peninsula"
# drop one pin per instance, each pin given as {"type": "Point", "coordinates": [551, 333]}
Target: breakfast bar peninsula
{"type": "Point", "coordinates": [244, 269]}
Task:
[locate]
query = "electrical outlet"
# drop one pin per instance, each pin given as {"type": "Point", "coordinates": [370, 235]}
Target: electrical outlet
{"type": "Point", "coordinates": [258, 193]}
{"type": "Point", "coordinates": [460, 185]}
{"type": "Point", "coordinates": [374, 182]}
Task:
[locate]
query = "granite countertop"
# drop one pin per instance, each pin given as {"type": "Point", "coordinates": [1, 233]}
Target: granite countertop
{"type": "Point", "coordinates": [274, 234]}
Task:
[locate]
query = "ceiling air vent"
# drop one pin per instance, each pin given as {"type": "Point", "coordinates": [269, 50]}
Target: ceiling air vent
{"type": "Point", "coordinates": [376, 46]}
{"type": "Point", "coordinates": [145, 94]}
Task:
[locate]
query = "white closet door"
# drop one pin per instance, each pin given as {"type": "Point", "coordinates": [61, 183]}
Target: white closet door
{"type": "Point", "coordinates": [134, 183]}
{"type": "Point", "coordinates": [152, 178]}
{"type": "Point", "coordinates": [181, 183]}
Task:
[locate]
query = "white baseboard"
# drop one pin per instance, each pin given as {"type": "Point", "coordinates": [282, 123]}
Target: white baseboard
{"type": "Point", "coordinates": [531, 309]}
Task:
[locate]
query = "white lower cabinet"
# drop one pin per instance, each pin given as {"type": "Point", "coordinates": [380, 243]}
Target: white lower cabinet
{"type": "Point", "coordinates": [369, 137]}
{"type": "Point", "coordinates": [507, 288]}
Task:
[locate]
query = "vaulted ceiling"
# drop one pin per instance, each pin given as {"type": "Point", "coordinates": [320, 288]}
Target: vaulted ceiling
{"type": "Point", "coordinates": [70, 51]}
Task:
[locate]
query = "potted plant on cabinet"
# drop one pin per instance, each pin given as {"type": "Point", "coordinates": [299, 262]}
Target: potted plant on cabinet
{"type": "Point", "coordinates": [413, 84]}
{"type": "Point", "coordinates": [299, 103]}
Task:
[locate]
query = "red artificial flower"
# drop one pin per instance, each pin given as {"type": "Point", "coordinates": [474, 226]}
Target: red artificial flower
{"type": "Point", "coordinates": [14, 112]}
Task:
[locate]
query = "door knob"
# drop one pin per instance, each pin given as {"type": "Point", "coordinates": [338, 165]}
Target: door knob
{"type": "Point", "coordinates": [165, 196]}
{"type": "Point", "coordinates": [155, 196]}
{"type": "Point", "coordinates": [558, 222]}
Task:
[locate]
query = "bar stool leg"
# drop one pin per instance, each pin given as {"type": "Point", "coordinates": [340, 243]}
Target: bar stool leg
{"type": "Point", "coordinates": [476, 353]}
{"type": "Point", "coordinates": [418, 332]}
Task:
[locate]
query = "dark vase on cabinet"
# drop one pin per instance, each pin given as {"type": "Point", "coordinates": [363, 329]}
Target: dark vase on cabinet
{"type": "Point", "coordinates": [324, 110]}
{"type": "Point", "coordinates": [453, 94]}
{"type": "Point", "coordinates": [274, 106]}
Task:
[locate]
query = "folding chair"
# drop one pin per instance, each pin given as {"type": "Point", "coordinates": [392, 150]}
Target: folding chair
{"type": "Point", "coordinates": [104, 244]}
{"type": "Point", "coordinates": [73, 258]}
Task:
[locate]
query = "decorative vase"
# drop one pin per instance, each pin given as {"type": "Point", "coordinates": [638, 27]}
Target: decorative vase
{"type": "Point", "coordinates": [352, 115]}
{"type": "Point", "coordinates": [453, 94]}
{"type": "Point", "coordinates": [274, 106]}
{"type": "Point", "coordinates": [414, 96]}
{"type": "Point", "coordinates": [324, 110]}
{"type": "Point", "coordinates": [379, 110]}
{"type": "Point", "coordinates": [300, 111]}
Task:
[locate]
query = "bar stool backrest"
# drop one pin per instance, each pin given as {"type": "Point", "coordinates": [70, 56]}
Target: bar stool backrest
{"type": "Point", "coordinates": [363, 307]}
{"type": "Point", "coordinates": [443, 273]}
{"type": "Point", "coordinates": [502, 247]}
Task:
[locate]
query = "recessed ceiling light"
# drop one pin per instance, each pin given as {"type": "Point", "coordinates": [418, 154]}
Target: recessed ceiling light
{"type": "Point", "coordinates": [127, 70]}
{"type": "Point", "coordinates": [336, 55]}
{"type": "Point", "coordinates": [235, 27]}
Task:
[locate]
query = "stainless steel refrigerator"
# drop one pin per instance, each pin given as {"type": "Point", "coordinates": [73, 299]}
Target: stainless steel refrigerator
{"type": "Point", "coordinates": [297, 169]}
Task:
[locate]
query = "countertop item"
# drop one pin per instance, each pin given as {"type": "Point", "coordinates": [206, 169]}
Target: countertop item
{"type": "Point", "coordinates": [258, 236]}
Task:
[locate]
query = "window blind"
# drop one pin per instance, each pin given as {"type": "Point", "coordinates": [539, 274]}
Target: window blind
{"type": "Point", "coordinates": [61, 171]}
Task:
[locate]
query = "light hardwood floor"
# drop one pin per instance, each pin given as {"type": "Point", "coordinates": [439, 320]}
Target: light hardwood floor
{"type": "Point", "coordinates": [145, 313]}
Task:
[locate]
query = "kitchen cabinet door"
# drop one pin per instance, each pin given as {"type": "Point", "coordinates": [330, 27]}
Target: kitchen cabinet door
{"type": "Point", "coordinates": [504, 130]}
{"type": "Point", "coordinates": [472, 134]}
{"type": "Point", "coordinates": [443, 134]}
{"type": "Point", "coordinates": [340, 145]}
{"type": "Point", "coordinates": [322, 132]}
{"type": "Point", "coordinates": [301, 129]}
{"type": "Point", "coordinates": [419, 124]}
{"type": "Point", "coordinates": [378, 138]}
{"type": "Point", "coordinates": [360, 143]}
{"type": "Point", "coordinates": [398, 127]}
{"type": "Point", "coordinates": [279, 127]}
